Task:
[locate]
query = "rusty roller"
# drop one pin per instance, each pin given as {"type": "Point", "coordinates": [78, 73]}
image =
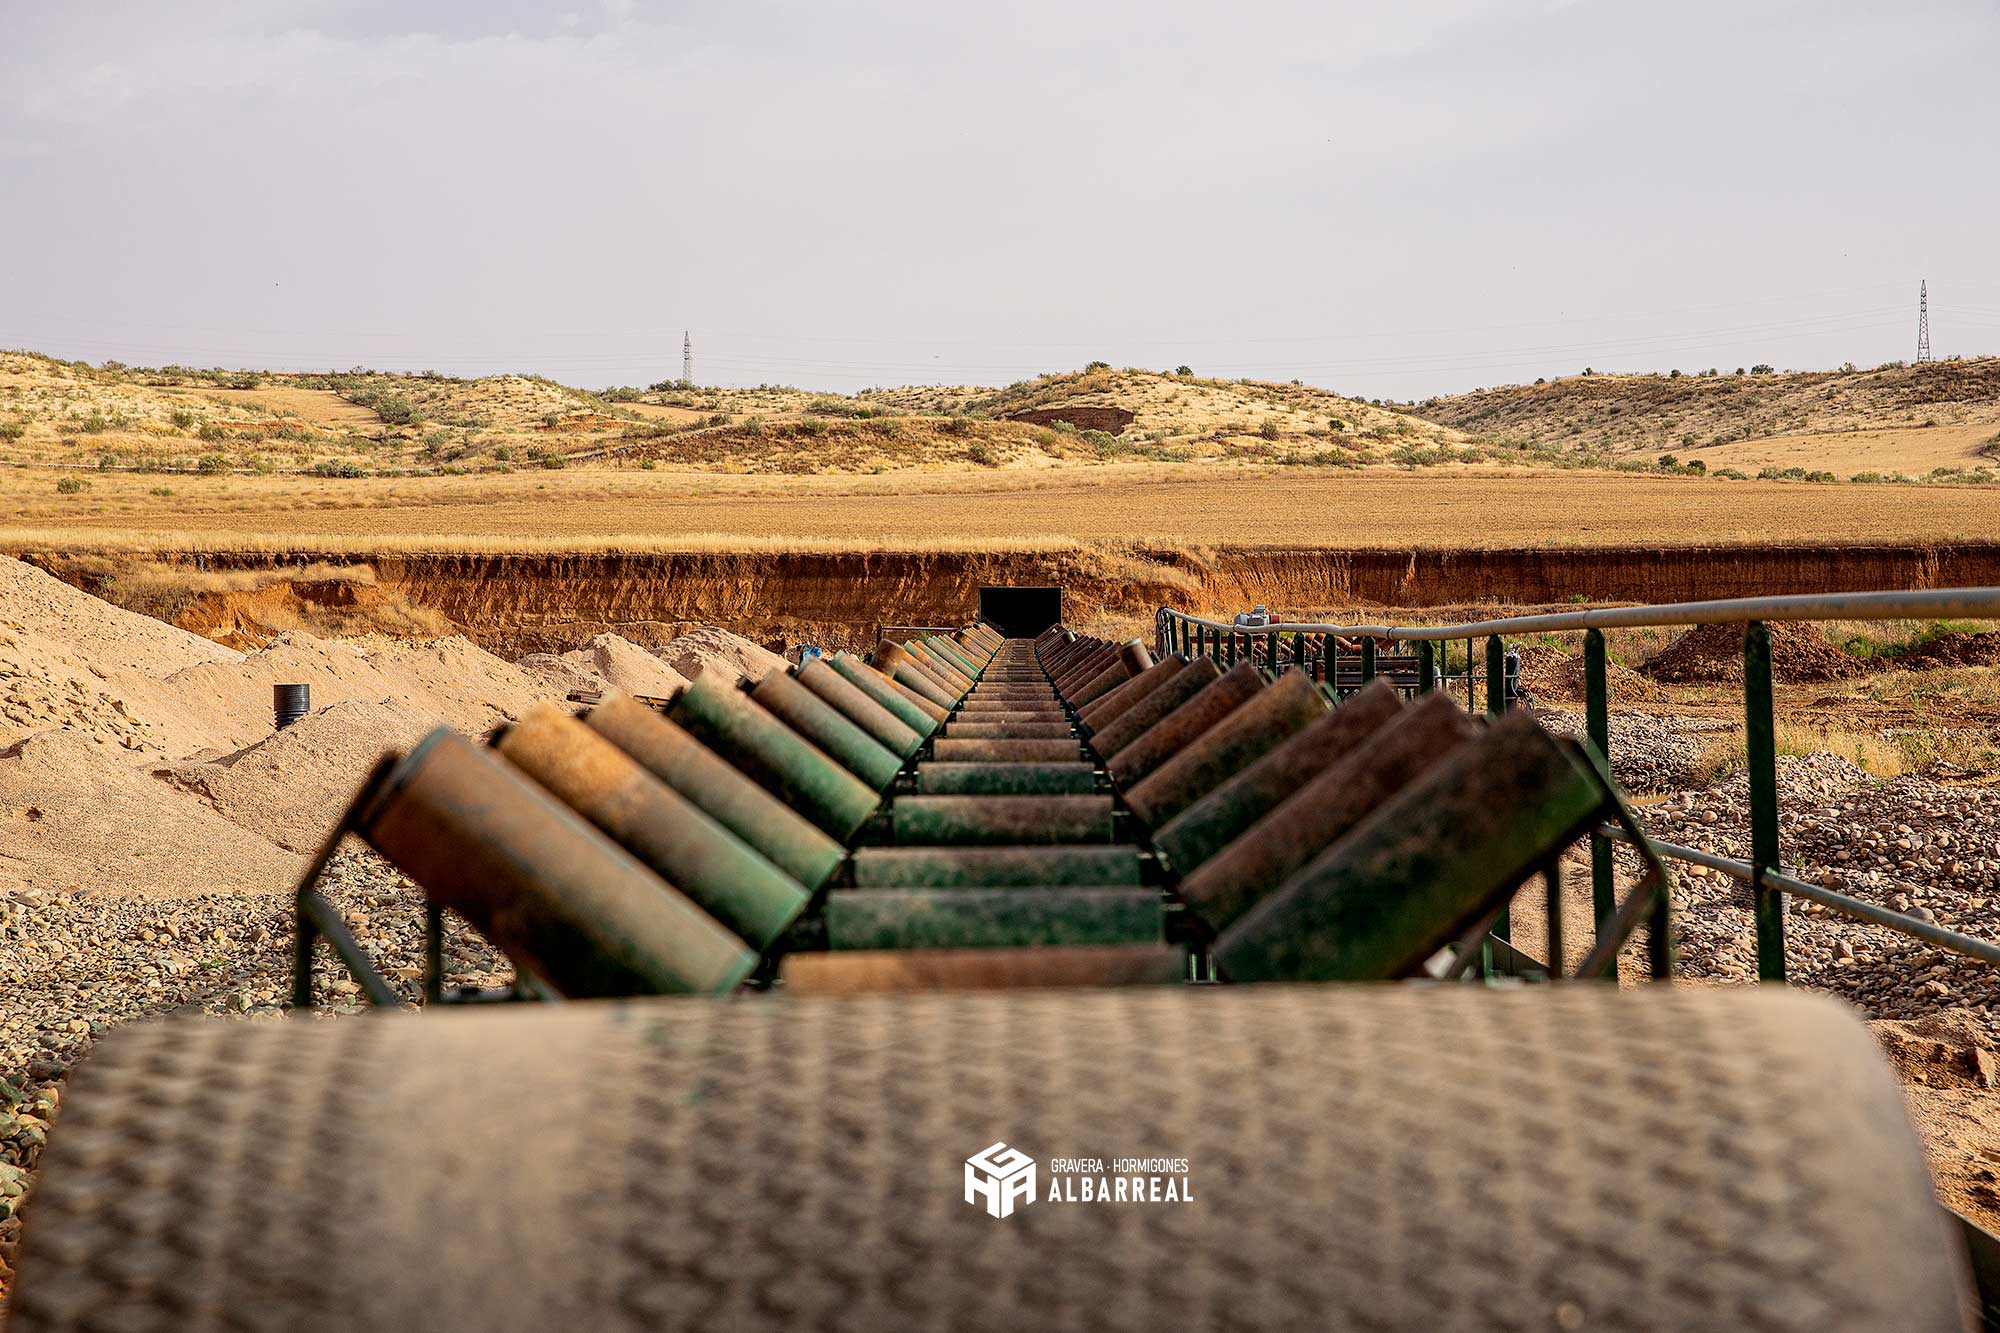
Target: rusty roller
{"type": "Point", "coordinates": [1179, 729]}
{"type": "Point", "coordinates": [1214, 820]}
{"type": "Point", "coordinates": [1564, 1158]}
{"type": "Point", "coordinates": [785, 838]}
{"type": "Point", "coordinates": [724, 875]}
{"type": "Point", "coordinates": [966, 820]}
{"type": "Point", "coordinates": [1292, 703]}
{"type": "Point", "coordinates": [995, 867]}
{"type": "Point", "coordinates": [1005, 751]}
{"type": "Point", "coordinates": [1107, 707]}
{"type": "Point", "coordinates": [1417, 871]}
{"type": "Point", "coordinates": [848, 699]}
{"type": "Point", "coordinates": [553, 893]}
{"type": "Point", "coordinates": [739, 729]}
{"type": "Point", "coordinates": [947, 672]}
{"type": "Point", "coordinates": [1133, 659]}
{"type": "Point", "coordinates": [1267, 853]}
{"type": "Point", "coordinates": [1010, 731]}
{"type": "Point", "coordinates": [819, 722]}
{"type": "Point", "coordinates": [1114, 736]}
{"type": "Point", "coordinates": [912, 709]}
{"type": "Point", "coordinates": [991, 918]}
{"type": "Point", "coordinates": [1006, 779]}
{"type": "Point", "coordinates": [892, 661]}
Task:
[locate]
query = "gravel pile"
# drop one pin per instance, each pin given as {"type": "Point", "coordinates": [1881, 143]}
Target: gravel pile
{"type": "Point", "coordinates": [1713, 655]}
{"type": "Point", "coordinates": [73, 965]}
{"type": "Point", "coordinates": [1651, 754]}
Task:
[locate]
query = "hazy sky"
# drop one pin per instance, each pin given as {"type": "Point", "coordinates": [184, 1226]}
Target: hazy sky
{"type": "Point", "coordinates": [1387, 199]}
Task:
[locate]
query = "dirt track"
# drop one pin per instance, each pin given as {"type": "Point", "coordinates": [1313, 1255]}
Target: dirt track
{"type": "Point", "coordinates": [1188, 505]}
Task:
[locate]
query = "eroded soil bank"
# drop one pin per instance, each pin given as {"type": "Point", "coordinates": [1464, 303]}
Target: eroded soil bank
{"type": "Point", "coordinates": [537, 602]}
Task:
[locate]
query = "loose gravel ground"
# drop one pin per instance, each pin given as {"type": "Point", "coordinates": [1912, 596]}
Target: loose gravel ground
{"type": "Point", "coordinates": [73, 965]}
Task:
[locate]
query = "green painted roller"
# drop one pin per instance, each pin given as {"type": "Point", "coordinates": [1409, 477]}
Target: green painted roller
{"type": "Point", "coordinates": [825, 726]}
{"type": "Point", "coordinates": [1014, 918]}
{"type": "Point", "coordinates": [1414, 875]}
{"type": "Point", "coordinates": [947, 867]}
{"type": "Point", "coordinates": [966, 820]}
{"type": "Point", "coordinates": [846, 698]}
{"type": "Point", "coordinates": [738, 728]}
{"type": "Point", "coordinates": [910, 708]}
{"type": "Point", "coordinates": [950, 779]}
{"type": "Point", "coordinates": [726, 876]}
{"type": "Point", "coordinates": [786, 838]}
{"type": "Point", "coordinates": [557, 896]}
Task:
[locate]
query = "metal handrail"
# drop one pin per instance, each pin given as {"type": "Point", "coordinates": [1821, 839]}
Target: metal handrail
{"type": "Point", "coordinates": [1935, 604]}
{"type": "Point", "coordinates": [1179, 632]}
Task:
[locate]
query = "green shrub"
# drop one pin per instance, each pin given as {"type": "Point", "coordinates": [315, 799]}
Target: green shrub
{"type": "Point", "coordinates": [1184, 372]}
{"type": "Point", "coordinates": [753, 425]}
{"type": "Point", "coordinates": [71, 486]}
{"type": "Point", "coordinates": [336, 467]}
{"type": "Point", "coordinates": [956, 426]}
{"type": "Point", "coordinates": [211, 464]}
{"type": "Point", "coordinates": [1097, 365]}
{"type": "Point", "coordinates": [980, 454]}
{"type": "Point", "coordinates": [396, 409]}
{"type": "Point", "coordinates": [181, 418]}
{"type": "Point", "coordinates": [96, 424]}
{"type": "Point", "coordinates": [1268, 428]}
{"type": "Point", "coordinates": [162, 491]}
{"type": "Point", "coordinates": [211, 432]}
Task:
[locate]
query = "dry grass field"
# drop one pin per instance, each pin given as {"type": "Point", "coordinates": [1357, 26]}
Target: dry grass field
{"type": "Point", "coordinates": [1196, 505]}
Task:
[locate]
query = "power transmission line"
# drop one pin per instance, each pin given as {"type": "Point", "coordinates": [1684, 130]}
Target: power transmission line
{"type": "Point", "coordinates": [1923, 321]}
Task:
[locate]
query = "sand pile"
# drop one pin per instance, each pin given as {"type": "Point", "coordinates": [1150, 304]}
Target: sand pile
{"type": "Point", "coordinates": [606, 662]}
{"type": "Point", "coordinates": [78, 815]}
{"type": "Point", "coordinates": [1713, 655]}
{"type": "Point", "coordinates": [709, 646]}
{"type": "Point", "coordinates": [292, 787]}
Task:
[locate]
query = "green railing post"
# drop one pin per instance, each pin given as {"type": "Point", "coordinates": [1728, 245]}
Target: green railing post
{"type": "Point", "coordinates": [1427, 667]}
{"type": "Point", "coordinates": [1233, 636]}
{"type": "Point", "coordinates": [1299, 651]}
{"type": "Point", "coordinates": [1597, 712]}
{"type": "Point", "coordinates": [1760, 730]}
{"type": "Point", "coordinates": [1496, 677]}
{"type": "Point", "coordinates": [1367, 658]}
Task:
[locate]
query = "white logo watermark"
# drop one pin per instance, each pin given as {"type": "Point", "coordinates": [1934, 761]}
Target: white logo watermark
{"type": "Point", "coordinates": [1001, 1176]}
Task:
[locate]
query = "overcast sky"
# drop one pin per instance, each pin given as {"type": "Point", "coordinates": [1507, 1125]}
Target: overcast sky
{"type": "Point", "coordinates": [1387, 199]}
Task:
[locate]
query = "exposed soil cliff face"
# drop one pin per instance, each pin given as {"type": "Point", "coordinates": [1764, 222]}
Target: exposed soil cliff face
{"type": "Point", "coordinates": [515, 604]}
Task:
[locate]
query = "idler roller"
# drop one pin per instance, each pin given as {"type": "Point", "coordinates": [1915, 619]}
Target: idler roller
{"type": "Point", "coordinates": [1441, 1159]}
{"type": "Point", "coordinates": [990, 918]}
{"type": "Point", "coordinates": [964, 820]}
{"type": "Point", "coordinates": [1010, 731]}
{"type": "Point", "coordinates": [786, 839]}
{"type": "Point", "coordinates": [723, 874]}
{"type": "Point", "coordinates": [850, 701]}
{"type": "Point", "coordinates": [1005, 751]}
{"type": "Point", "coordinates": [1102, 711]}
{"type": "Point", "coordinates": [946, 867]}
{"type": "Point", "coordinates": [861, 971]}
{"type": "Point", "coordinates": [826, 727]}
{"type": "Point", "coordinates": [1178, 729]}
{"type": "Point", "coordinates": [914, 710]}
{"type": "Point", "coordinates": [561, 899]}
{"type": "Point", "coordinates": [1208, 825]}
{"type": "Point", "coordinates": [894, 660]}
{"type": "Point", "coordinates": [1418, 871]}
{"type": "Point", "coordinates": [964, 779]}
{"type": "Point", "coordinates": [738, 728]}
{"type": "Point", "coordinates": [1426, 735]}
{"type": "Point", "coordinates": [1290, 704]}
{"type": "Point", "coordinates": [1189, 681]}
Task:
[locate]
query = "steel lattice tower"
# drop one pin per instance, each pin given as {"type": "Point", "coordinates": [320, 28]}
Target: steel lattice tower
{"type": "Point", "coordinates": [1923, 321]}
{"type": "Point", "coordinates": [687, 357]}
